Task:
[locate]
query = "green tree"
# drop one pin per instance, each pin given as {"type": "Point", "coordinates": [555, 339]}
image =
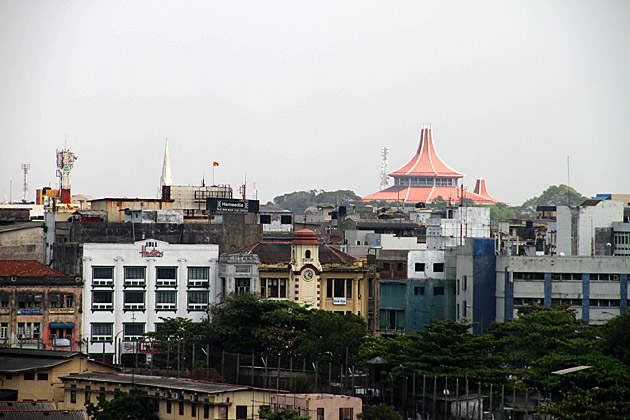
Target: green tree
{"type": "Point", "coordinates": [611, 403]}
{"type": "Point", "coordinates": [501, 211]}
{"type": "Point", "coordinates": [615, 338]}
{"type": "Point", "coordinates": [379, 412]}
{"type": "Point", "coordinates": [134, 405]}
{"type": "Point", "coordinates": [555, 195]}
{"type": "Point", "coordinates": [286, 414]}
{"type": "Point", "coordinates": [299, 201]}
{"type": "Point", "coordinates": [446, 348]}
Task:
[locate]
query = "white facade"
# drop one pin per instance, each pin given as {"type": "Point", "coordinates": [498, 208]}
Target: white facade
{"type": "Point", "coordinates": [460, 223]}
{"type": "Point", "coordinates": [576, 227]}
{"type": "Point", "coordinates": [596, 288]}
{"type": "Point", "coordinates": [364, 242]}
{"type": "Point", "coordinates": [238, 273]}
{"type": "Point", "coordinates": [426, 264]}
{"type": "Point", "coordinates": [128, 287]}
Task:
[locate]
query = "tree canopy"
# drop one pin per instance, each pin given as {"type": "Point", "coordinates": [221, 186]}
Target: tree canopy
{"type": "Point", "coordinates": [555, 195]}
{"type": "Point", "coordinates": [299, 201]}
{"type": "Point", "coordinates": [132, 405]}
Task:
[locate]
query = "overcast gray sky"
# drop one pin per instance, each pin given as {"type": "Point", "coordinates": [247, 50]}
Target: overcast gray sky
{"type": "Point", "coordinates": [300, 95]}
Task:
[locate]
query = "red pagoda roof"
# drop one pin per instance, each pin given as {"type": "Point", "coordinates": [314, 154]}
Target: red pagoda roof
{"type": "Point", "coordinates": [480, 189]}
{"type": "Point", "coordinates": [426, 195]}
{"type": "Point", "coordinates": [426, 161]}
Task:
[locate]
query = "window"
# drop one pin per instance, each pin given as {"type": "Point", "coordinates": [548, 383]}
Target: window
{"type": "Point", "coordinates": [20, 330]}
{"type": "Point", "coordinates": [169, 405]}
{"type": "Point", "coordinates": [400, 267]}
{"type": "Point", "coordinates": [165, 300]}
{"type": "Point", "coordinates": [156, 402]}
{"type": "Point", "coordinates": [464, 309]}
{"type": "Point", "coordinates": [320, 413]}
{"type": "Point", "coordinates": [338, 288]}
{"type": "Point", "coordinates": [349, 288]}
{"type": "Point", "coordinates": [198, 273]}
{"type": "Point", "coordinates": [197, 301]}
{"type": "Point", "coordinates": [73, 394]}
{"type": "Point", "coordinates": [4, 302]}
{"type": "Point", "coordinates": [386, 266]}
{"type": "Point", "coordinates": [61, 301]}
{"type": "Point", "coordinates": [36, 330]}
{"type": "Point", "coordinates": [438, 291]}
{"type": "Point", "coordinates": [29, 376]}
{"type": "Point", "coordinates": [134, 300]}
{"type": "Point", "coordinates": [193, 409]}
{"type": "Point", "coordinates": [102, 300]}
{"type": "Point", "coordinates": [276, 288]}
{"type": "Point", "coordinates": [102, 331]}
{"type": "Point", "coordinates": [419, 266]}
{"type": "Point", "coordinates": [135, 273]}
{"type": "Point", "coordinates": [265, 219]}
{"type": "Point", "coordinates": [181, 408]}
{"type": "Point", "coordinates": [418, 291]}
{"type": "Point", "coordinates": [88, 395]}
{"type": "Point", "coordinates": [241, 285]}
{"type": "Point", "coordinates": [464, 282]}
{"type": "Point", "coordinates": [105, 273]}
{"type": "Point", "coordinates": [307, 253]}
{"type": "Point", "coordinates": [241, 412]}
{"type": "Point", "coordinates": [206, 410]}
{"type": "Point", "coordinates": [345, 413]}
{"type": "Point", "coordinates": [438, 267]}
{"type": "Point", "coordinates": [166, 273]}
{"type": "Point", "coordinates": [4, 330]}
{"type": "Point", "coordinates": [285, 219]}
{"type": "Point", "coordinates": [133, 331]}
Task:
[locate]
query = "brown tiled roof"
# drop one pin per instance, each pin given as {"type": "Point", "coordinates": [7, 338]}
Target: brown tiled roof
{"type": "Point", "coordinates": [280, 252]}
{"type": "Point", "coordinates": [26, 268]}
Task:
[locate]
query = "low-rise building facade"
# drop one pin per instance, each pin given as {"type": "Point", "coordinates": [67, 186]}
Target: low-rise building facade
{"type": "Point", "coordinates": [40, 308]}
{"type": "Point", "coordinates": [128, 287]}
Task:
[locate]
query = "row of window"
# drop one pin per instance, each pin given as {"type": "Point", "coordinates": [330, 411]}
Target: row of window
{"type": "Point", "coordinates": [566, 276]}
{"type": "Point", "coordinates": [26, 330]}
{"type": "Point", "coordinates": [33, 301]}
{"type": "Point", "coordinates": [103, 300]}
{"type": "Point", "coordinates": [105, 274]}
{"type": "Point", "coordinates": [601, 303]}
{"type": "Point", "coordinates": [426, 181]}
{"type": "Point", "coordinates": [285, 219]}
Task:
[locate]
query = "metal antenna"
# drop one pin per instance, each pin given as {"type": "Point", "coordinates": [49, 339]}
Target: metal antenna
{"type": "Point", "coordinates": [25, 167]}
{"type": "Point", "coordinates": [384, 169]}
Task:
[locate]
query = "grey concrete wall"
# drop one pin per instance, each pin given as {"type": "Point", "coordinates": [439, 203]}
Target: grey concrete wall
{"type": "Point", "coordinates": [22, 244]}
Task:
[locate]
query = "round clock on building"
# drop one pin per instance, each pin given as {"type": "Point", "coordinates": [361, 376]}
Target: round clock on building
{"type": "Point", "coordinates": [308, 275]}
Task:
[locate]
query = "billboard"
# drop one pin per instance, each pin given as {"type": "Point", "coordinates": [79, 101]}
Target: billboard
{"type": "Point", "coordinates": [232, 205]}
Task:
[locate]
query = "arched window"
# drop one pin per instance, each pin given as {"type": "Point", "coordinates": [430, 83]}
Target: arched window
{"type": "Point", "coordinates": [307, 254]}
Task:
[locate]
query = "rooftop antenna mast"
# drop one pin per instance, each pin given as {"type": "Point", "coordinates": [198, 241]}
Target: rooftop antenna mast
{"type": "Point", "coordinates": [25, 167]}
{"type": "Point", "coordinates": [384, 168]}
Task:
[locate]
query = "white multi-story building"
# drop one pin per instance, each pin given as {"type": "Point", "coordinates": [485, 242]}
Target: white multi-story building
{"type": "Point", "coordinates": [129, 287]}
{"type": "Point", "coordinates": [458, 224]}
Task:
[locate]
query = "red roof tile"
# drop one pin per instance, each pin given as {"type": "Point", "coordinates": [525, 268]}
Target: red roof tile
{"type": "Point", "coordinates": [26, 268]}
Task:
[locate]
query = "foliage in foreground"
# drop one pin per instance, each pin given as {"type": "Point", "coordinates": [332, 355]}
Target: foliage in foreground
{"type": "Point", "coordinates": [379, 412]}
{"type": "Point", "coordinates": [287, 414]}
{"type": "Point", "coordinates": [132, 405]}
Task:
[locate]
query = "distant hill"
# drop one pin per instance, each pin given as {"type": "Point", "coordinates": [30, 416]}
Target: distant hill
{"type": "Point", "coordinates": [299, 201]}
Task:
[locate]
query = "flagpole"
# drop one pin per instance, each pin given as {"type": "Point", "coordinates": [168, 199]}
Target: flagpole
{"type": "Point", "coordinates": [213, 184]}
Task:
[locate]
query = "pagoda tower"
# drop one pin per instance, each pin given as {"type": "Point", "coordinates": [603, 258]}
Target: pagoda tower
{"type": "Point", "coordinates": [426, 177]}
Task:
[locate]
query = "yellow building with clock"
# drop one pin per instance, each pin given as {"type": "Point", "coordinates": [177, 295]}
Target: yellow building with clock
{"type": "Point", "coordinates": [313, 274]}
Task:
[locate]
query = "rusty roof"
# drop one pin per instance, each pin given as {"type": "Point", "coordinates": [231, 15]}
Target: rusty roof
{"type": "Point", "coordinates": [280, 252]}
{"type": "Point", "coordinates": [26, 268]}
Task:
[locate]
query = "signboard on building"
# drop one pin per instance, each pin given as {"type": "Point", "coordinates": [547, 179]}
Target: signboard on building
{"type": "Point", "coordinates": [232, 205]}
{"type": "Point", "coordinates": [29, 311]}
{"type": "Point", "coordinates": [129, 347]}
{"type": "Point", "coordinates": [339, 301]}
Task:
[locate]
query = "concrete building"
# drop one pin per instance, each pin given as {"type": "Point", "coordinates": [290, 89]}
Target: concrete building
{"type": "Point", "coordinates": [128, 287]}
{"type": "Point", "coordinates": [39, 307]}
{"type": "Point", "coordinates": [574, 232]}
{"type": "Point", "coordinates": [238, 273]}
{"type": "Point", "coordinates": [595, 287]}
{"type": "Point", "coordinates": [276, 222]}
{"type": "Point", "coordinates": [173, 398]}
{"type": "Point", "coordinates": [114, 208]}
{"type": "Point", "coordinates": [453, 225]}
{"type": "Point", "coordinates": [476, 283]}
{"type": "Point", "coordinates": [319, 406]}
{"type": "Point", "coordinates": [314, 274]}
{"type": "Point", "coordinates": [621, 239]}
{"type": "Point", "coordinates": [34, 374]}
{"type": "Point", "coordinates": [22, 241]}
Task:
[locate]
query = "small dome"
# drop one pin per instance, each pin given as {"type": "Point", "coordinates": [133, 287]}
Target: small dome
{"type": "Point", "coordinates": [305, 237]}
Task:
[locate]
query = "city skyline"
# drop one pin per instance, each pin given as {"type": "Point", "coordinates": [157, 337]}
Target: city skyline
{"type": "Point", "coordinates": [298, 96]}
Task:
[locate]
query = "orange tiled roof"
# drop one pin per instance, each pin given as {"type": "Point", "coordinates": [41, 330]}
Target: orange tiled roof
{"type": "Point", "coordinates": [26, 268]}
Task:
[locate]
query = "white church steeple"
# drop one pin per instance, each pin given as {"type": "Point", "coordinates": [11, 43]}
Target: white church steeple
{"type": "Point", "coordinates": [166, 178]}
